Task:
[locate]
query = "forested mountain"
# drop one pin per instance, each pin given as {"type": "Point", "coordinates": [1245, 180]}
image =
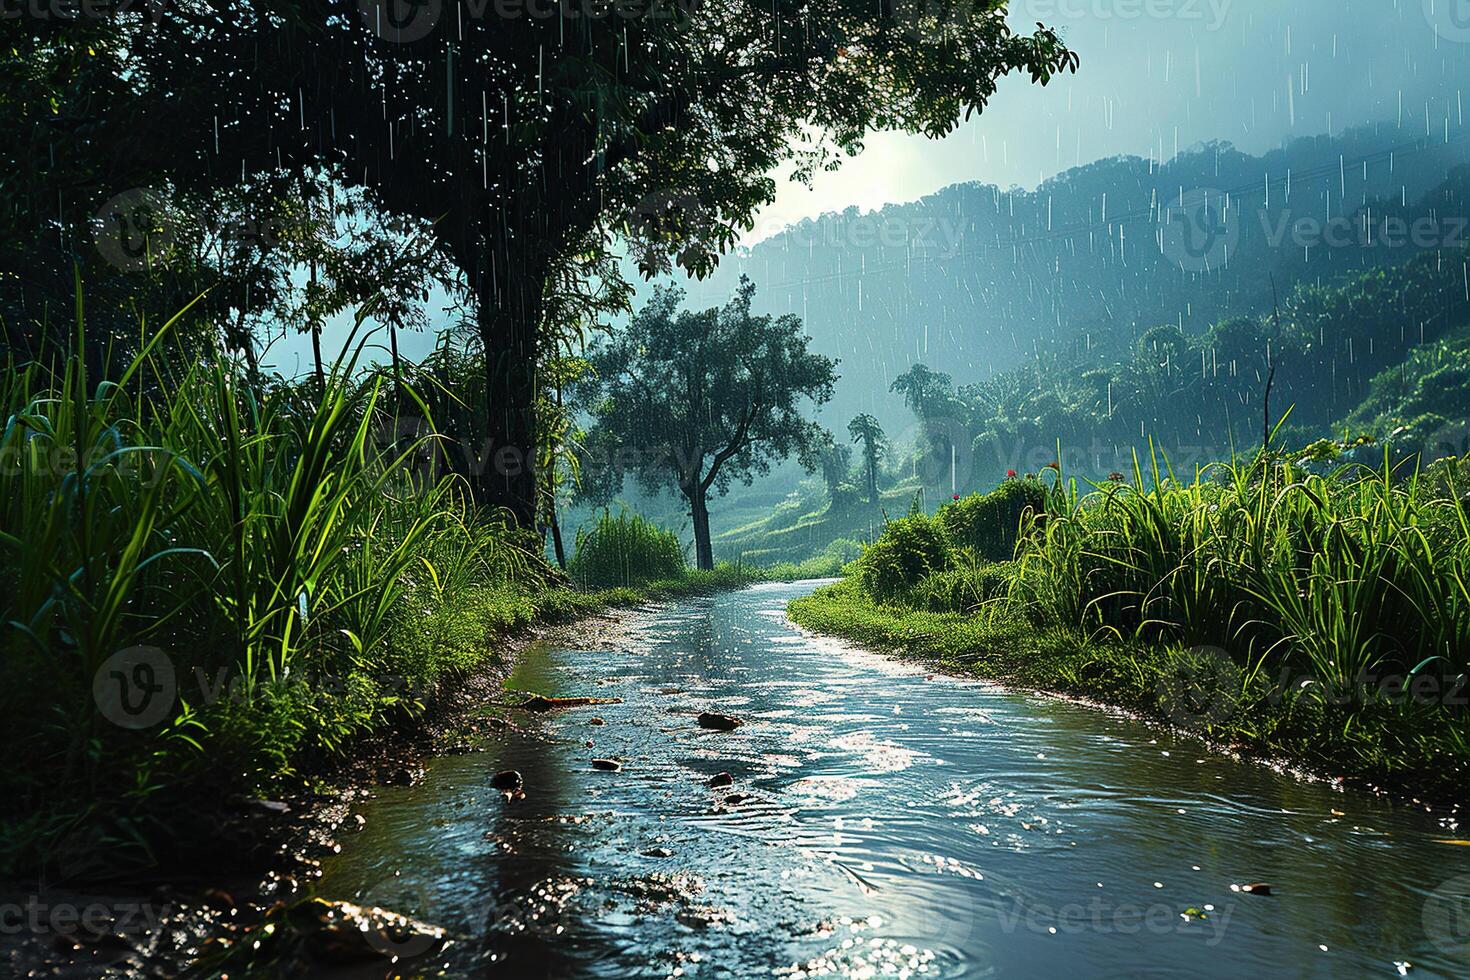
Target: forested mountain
{"type": "Point", "coordinates": [977, 279]}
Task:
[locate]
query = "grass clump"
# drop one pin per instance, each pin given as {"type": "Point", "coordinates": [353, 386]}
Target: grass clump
{"type": "Point", "coordinates": [626, 550]}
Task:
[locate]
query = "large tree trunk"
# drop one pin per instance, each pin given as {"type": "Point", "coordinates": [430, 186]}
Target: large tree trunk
{"type": "Point", "coordinates": [704, 555]}
{"type": "Point", "coordinates": [509, 319]}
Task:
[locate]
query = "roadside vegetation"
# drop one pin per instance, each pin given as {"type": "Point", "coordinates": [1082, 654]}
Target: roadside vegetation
{"type": "Point", "coordinates": [212, 584]}
{"type": "Point", "coordinates": [1286, 608]}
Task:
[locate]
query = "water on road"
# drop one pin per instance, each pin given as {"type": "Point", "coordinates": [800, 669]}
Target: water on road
{"type": "Point", "coordinates": [884, 822]}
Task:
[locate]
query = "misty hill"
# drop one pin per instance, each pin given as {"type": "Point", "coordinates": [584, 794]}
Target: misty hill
{"type": "Point", "coordinates": [976, 279]}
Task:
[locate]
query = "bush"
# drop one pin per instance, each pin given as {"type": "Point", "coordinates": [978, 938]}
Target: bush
{"type": "Point", "coordinates": [910, 549]}
{"type": "Point", "coordinates": [625, 550]}
{"type": "Point", "coordinates": [964, 587]}
{"type": "Point", "coordinates": [988, 525]}
{"type": "Point", "coordinates": [830, 562]}
{"type": "Point", "coordinates": [845, 497]}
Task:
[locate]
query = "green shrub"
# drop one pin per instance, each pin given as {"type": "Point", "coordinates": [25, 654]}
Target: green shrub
{"type": "Point", "coordinates": [964, 587]}
{"type": "Point", "coordinates": [625, 550]}
{"type": "Point", "coordinates": [829, 563]}
{"type": "Point", "coordinates": [988, 524]}
{"type": "Point", "coordinates": [909, 549]}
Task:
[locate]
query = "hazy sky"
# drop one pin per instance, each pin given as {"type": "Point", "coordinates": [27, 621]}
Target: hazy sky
{"type": "Point", "coordinates": [1160, 75]}
{"type": "Point", "coordinates": [1157, 76]}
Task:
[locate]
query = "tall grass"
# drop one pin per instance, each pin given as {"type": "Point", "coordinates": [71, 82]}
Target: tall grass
{"type": "Point", "coordinates": [1345, 574]}
{"type": "Point", "coordinates": [284, 559]}
{"type": "Point", "coordinates": [625, 550]}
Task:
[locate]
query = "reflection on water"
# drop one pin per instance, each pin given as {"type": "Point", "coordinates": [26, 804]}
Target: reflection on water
{"type": "Point", "coordinates": [883, 822]}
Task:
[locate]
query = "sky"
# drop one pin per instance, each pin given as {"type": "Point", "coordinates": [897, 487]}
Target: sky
{"type": "Point", "coordinates": [1157, 76]}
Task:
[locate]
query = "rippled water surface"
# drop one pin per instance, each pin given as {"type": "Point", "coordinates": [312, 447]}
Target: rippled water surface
{"type": "Point", "coordinates": [893, 824]}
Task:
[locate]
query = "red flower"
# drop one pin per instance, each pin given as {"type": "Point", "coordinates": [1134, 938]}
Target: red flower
{"type": "Point", "coordinates": [1010, 474]}
{"type": "Point", "coordinates": [957, 496]}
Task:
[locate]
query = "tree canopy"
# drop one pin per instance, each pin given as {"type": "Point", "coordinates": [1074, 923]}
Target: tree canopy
{"type": "Point", "coordinates": [528, 138]}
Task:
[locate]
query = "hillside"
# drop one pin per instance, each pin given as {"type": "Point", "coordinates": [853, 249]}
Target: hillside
{"type": "Point", "coordinates": [976, 279]}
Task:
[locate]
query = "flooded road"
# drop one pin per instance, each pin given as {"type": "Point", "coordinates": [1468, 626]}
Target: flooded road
{"type": "Point", "coordinates": [883, 822]}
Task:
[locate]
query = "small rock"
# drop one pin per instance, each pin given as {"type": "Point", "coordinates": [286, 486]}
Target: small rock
{"type": "Point", "coordinates": [341, 933]}
{"type": "Point", "coordinates": [400, 776]}
{"type": "Point", "coordinates": [267, 808]}
{"type": "Point", "coordinates": [658, 852]}
{"type": "Point", "coordinates": [720, 779]}
{"type": "Point", "coordinates": [735, 798]}
{"type": "Point", "coordinates": [607, 765]}
{"type": "Point", "coordinates": [596, 721]}
{"type": "Point", "coordinates": [507, 779]}
{"type": "Point", "coordinates": [718, 722]}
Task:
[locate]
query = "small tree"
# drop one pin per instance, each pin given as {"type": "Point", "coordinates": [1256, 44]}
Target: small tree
{"type": "Point", "coordinates": [866, 430]}
{"type": "Point", "coordinates": [834, 461]}
{"type": "Point", "coordinates": [695, 400]}
{"type": "Point", "coordinates": [923, 390]}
